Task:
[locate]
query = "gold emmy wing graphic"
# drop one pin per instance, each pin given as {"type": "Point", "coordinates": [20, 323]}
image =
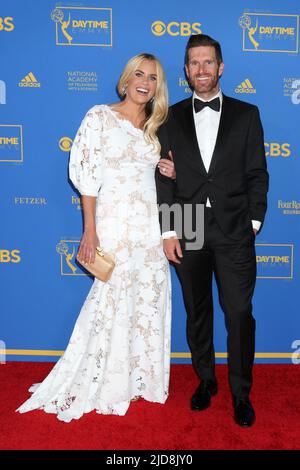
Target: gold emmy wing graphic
{"type": "Point", "coordinates": [245, 23]}
{"type": "Point", "coordinates": [63, 250]}
{"type": "Point", "coordinates": [58, 17]}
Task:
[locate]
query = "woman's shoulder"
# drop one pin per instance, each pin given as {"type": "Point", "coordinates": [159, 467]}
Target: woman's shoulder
{"type": "Point", "coordinates": [102, 116]}
{"type": "Point", "coordinates": [96, 115]}
{"type": "Point", "coordinates": [97, 110]}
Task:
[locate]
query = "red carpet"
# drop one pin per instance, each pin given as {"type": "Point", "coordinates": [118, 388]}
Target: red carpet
{"type": "Point", "coordinates": [150, 426]}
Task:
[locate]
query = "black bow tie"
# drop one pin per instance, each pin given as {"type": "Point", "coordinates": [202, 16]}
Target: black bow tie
{"type": "Point", "coordinates": [213, 104]}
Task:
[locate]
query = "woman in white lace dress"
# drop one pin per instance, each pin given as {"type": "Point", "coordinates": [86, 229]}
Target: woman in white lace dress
{"type": "Point", "coordinates": [120, 346]}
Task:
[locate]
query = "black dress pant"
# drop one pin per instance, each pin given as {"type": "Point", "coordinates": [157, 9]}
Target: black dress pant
{"type": "Point", "coordinates": [234, 266]}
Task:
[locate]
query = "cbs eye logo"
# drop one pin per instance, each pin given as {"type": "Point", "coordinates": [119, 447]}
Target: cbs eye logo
{"type": "Point", "coordinates": [65, 144]}
{"type": "Point", "coordinates": [174, 28]}
{"type": "Point", "coordinates": [6, 24]}
{"type": "Point", "coordinates": [158, 28]}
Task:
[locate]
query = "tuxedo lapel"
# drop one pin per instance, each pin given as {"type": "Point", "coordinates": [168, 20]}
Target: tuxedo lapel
{"type": "Point", "coordinates": [188, 124]}
{"type": "Point", "coordinates": [224, 126]}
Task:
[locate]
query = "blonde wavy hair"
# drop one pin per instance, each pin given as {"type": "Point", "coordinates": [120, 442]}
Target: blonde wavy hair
{"type": "Point", "coordinates": [157, 109]}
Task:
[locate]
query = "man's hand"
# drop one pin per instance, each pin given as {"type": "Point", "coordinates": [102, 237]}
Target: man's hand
{"type": "Point", "coordinates": [172, 249]}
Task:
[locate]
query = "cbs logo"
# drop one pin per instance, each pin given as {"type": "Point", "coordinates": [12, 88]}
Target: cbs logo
{"type": "Point", "coordinates": [6, 24]}
{"type": "Point", "coordinates": [65, 144]}
{"type": "Point", "coordinates": [7, 256]}
{"type": "Point", "coordinates": [273, 149]}
{"type": "Point", "coordinates": [159, 28]}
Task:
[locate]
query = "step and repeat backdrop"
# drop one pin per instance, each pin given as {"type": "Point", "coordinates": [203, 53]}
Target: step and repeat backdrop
{"type": "Point", "coordinates": [60, 59]}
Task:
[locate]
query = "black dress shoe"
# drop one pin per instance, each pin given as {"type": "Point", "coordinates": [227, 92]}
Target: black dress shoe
{"type": "Point", "coordinates": [202, 396]}
{"type": "Point", "coordinates": [244, 414]}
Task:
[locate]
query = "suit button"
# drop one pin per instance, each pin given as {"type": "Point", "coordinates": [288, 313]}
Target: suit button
{"type": "Point", "coordinates": [210, 180]}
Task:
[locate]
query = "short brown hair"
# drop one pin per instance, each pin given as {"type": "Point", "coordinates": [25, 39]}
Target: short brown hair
{"type": "Point", "coordinates": [203, 40]}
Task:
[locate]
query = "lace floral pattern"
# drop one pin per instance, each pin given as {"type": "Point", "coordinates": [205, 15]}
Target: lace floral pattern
{"type": "Point", "coordinates": [120, 345]}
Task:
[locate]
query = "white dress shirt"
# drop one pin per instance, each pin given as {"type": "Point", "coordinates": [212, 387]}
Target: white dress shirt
{"type": "Point", "coordinates": [207, 125]}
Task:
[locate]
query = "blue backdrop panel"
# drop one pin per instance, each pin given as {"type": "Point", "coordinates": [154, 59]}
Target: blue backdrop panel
{"type": "Point", "coordinates": [58, 60]}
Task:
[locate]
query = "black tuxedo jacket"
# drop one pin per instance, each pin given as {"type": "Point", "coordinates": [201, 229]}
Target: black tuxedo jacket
{"type": "Point", "coordinates": [237, 180]}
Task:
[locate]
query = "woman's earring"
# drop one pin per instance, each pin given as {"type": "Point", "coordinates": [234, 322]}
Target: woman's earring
{"type": "Point", "coordinates": [124, 89]}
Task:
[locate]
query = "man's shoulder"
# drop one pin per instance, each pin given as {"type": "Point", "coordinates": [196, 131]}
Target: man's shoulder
{"type": "Point", "coordinates": [175, 115]}
{"type": "Point", "coordinates": [239, 104]}
{"type": "Point", "coordinates": [180, 105]}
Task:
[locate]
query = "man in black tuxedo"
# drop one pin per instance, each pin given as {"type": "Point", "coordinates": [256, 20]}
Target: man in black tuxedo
{"type": "Point", "coordinates": [218, 150]}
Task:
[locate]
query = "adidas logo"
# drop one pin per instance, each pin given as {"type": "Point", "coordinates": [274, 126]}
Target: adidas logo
{"type": "Point", "coordinates": [245, 87]}
{"type": "Point", "coordinates": [29, 81]}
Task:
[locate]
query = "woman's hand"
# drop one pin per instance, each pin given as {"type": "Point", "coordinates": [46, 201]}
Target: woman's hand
{"type": "Point", "coordinates": [88, 244]}
{"type": "Point", "coordinates": [166, 167]}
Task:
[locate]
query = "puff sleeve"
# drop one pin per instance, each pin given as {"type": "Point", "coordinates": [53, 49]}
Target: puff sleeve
{"type": "Point", "coordinates": [85, 158]}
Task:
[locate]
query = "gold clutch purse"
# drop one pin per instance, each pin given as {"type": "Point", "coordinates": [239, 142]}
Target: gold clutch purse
{"type": "Point", "coordinates": [102, 267]}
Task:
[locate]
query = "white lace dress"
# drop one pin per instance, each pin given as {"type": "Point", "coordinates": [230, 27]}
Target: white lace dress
{"type": "Point", "coordinates": [120, 345]}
